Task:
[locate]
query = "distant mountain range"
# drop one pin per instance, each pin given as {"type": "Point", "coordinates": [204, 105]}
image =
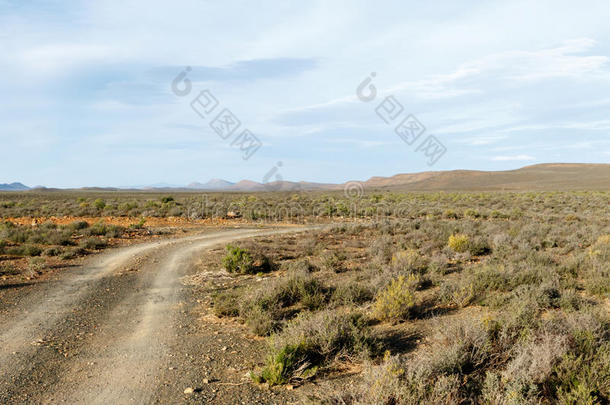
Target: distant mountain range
{"type": "Point", "coordinates": [214, 184]}
{"type": "Point", "coordinates": [13, 187]}
{"type": "Point", "coordinates": [249, 185]}
{"type": "Point", "coordinates": [550, 176]}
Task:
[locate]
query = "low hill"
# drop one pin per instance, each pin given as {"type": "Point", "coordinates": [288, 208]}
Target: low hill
{"type": "Point", "coordinates": [552, 176]}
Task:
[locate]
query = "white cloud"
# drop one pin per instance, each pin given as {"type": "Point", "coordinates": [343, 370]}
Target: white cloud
{"type": "Point", "coordinates": [58, 58]}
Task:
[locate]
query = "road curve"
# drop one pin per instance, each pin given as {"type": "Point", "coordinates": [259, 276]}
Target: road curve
{"type": "Point", "coordinates": [104, 332]}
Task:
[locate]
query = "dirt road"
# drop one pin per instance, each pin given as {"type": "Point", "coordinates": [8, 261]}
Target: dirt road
{"type": "Point", "coordinates": [121, 329]}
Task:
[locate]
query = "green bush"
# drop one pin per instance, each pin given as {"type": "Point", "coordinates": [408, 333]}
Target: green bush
{"type": "Point", "coordinates": [99, 204]}
{"type": "Point", "coordinates": [238, 260]}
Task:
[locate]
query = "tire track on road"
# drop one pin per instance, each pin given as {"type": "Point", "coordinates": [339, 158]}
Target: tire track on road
{"type": "Point", "coordinates": [116, 356]}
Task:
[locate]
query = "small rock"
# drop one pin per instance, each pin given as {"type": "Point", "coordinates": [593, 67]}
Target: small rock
{"type": "Point", "coordinates": [206, 381]}
{"type": "Point", "coordinates": [290, 387]}
{"type": "Point", "coordinates": [189, 391]}
{"type": "Point", "coordinates": [224, 348]}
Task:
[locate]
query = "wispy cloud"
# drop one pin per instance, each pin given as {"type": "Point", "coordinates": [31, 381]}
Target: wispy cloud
{"type": "Point", "coordinates": [245, 70]}
{"type": "Point", "coordinates": [511, 158]}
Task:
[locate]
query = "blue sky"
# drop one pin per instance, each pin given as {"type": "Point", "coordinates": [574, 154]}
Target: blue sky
{"type": "Point", "coordinates": [86, 99]}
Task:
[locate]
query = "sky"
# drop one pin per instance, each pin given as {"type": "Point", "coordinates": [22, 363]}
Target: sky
{"type": "Point", "coordinates": [91, 92]}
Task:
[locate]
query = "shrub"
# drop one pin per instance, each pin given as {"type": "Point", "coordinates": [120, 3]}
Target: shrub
{"type": "Point", "coordinates": [382, 248]}
{"type": "Point", "coordinates": [450, 214]}
{"type": "Point", "coordinates": [460, 347]}
{"type": "Point", "coordinates": [93, 243]}
{"type": "Point", "coordinates": [36, 264]}
{"type": "Point", "coordinates": [32, 250]}
{"type": "Point", "coordinates": [600, 250]}
{"type": "Point", "coordinates": [311, 341]}
{"type": "Point", "coordinates": [479, 247]}
{"type": "Point", "coordinates": [98, 229]}
{"type": "Point", "coordinates": [583, 373]}
{"type": "Point", "coordinates": [101, 229]}
{"type": "Point", "coordinates": [226, 303]}
{"type": "Point", "coordinates": [99, 204]}
{"type": "Point", "coordinates": [114, 231]}
{"type": "Point", "coordinates": [60, 238]}
{"type": "Point", "coordinates": [458, 294]}
{"type": "Point", "coordinates": [167, 199]}
{"type": "Point", "coordinates": [265, 307]}
{"type": "Point", "coordinates": [309, 245]}
{"type": "Point", "coordinates": [53, 251]}
{"type": "Point", "coordinates": [353, 293]}
{"type": "Point", "coordinates": [396, 302]}
{"type": "Point", "coordinates": [262, 321]}
{"type": "Point", "coordinates": [498, 215]}
{"type": "Point", "coordinates": [459, 243]}
{"type": "Point", "coordinates": [238, 260]}
{"type": "Point", "coordinates": [301, 266]}
{"type": "Point", "coordinates": [73, 253]}
{"type": "Point", "coordinates": [282, 364]}
{"type": "Point", "coordinates": [566, 360]}
{"type": "Point", "coordinates": [501, 241]}
{"type": "Point", "coordinates": [139, 225]}
{"type": "Point", "coordinates": [8, 270]}
{"type": "Point", "coordinates": [25, 250]}
{"type": "Point", "coordinates": [433, 376]}
{"type": "Point", "coordinates": [472, 213]}
{"type": "Point", "coordinates": [78, 225]}
{"type": "Point", "coordinates": [409, 260]}
{"type": "Point", "coordinates": [533, 360]}
{"type": "Point", "coordinates": [332, 261]}
{"type": "Point", "coordinates": [598, 285]}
